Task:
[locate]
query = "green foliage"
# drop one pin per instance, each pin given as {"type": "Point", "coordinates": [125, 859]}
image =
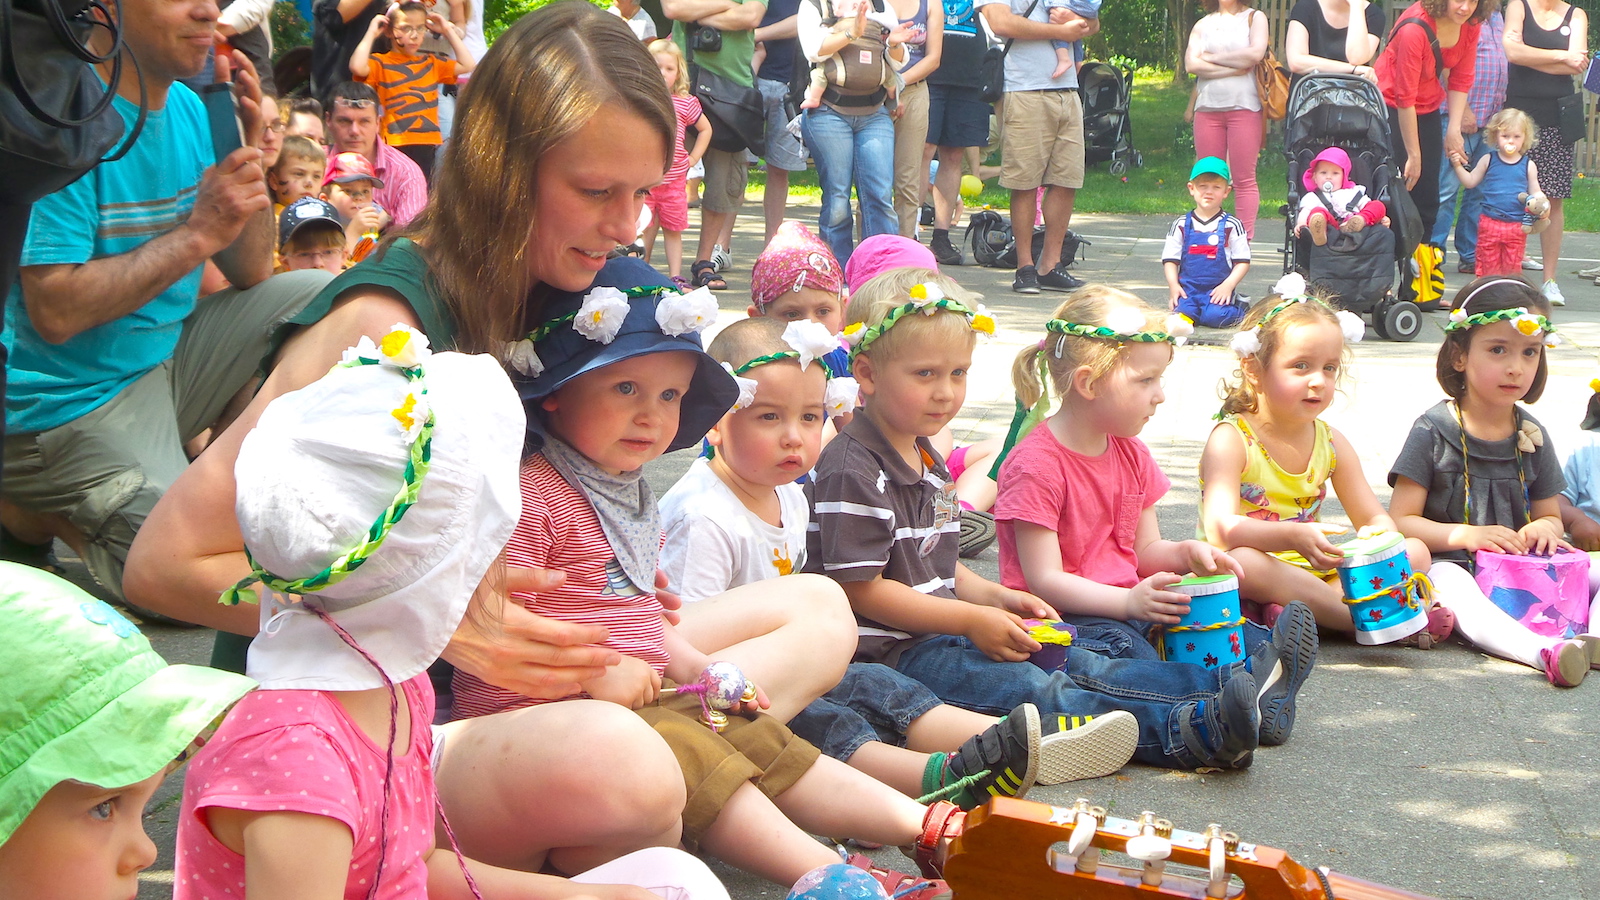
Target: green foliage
{"type": "Point", "coordinates": [289, 28]}
{"type": "Point", "coordinates": [499, 14]}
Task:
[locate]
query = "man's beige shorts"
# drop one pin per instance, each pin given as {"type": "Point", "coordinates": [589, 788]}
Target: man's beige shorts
{"type": "Point", "coordinates": [727, 175]}
{"type": "Point", "coordinates": [1043, 140]}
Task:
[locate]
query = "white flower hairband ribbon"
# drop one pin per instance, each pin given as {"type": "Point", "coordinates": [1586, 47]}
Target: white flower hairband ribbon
{"type": "Point", "coordinates": [524, 358]}
{"type": "Point", "coordinates": [678, 314]}
{"type": "Point", "coordinates": [1247, 343]}
{"type": "Point", "coordinates": [1125, 320]}
{"type": "Point", "coordinates": [602, 314]}
{"type": "Point", "coordinates": [747, 388]}
{"type": "Point", "coordinates": [926, 293]}
{"type": "Point", "coordinates": [1180, 327]}
{"type": "Point", "coordinates": [406, 348]}
{"type": "Point", "coordinates": [810, 339]}
{"type": "Point", "coordinates": [842, 395]}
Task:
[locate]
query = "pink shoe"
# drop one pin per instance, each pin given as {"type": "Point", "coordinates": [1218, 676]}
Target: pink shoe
{"type": "Point", "coordinates": [1566, 663]}
{"type": "Point", "coordinates": [1441, 624]}
{"type": "Point", "coordinates": [1263, 614]}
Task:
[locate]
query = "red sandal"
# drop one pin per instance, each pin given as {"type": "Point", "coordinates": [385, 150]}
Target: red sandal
{"type": "Point", "coordinates": [943, 822]}
{"type": "Point", "coordinates": [901, 885]}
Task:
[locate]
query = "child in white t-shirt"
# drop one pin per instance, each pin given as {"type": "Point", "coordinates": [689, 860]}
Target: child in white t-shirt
{"type": "Point", "coordinates": [738, 517]}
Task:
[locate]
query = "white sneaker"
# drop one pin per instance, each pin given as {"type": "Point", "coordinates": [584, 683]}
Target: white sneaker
{"type": "Point", "coordinates": [1591, 272]}
{"type": "Point", "coordinates": [1531, 265]}
{"type": "Point", "coordinates": [721, 258]}
{"type": "Point", "coordinates": [1552, 293]}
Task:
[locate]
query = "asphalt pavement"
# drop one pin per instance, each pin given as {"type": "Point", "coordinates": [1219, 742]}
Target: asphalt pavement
{"type": "Point", "coordinates": [1444, 772]}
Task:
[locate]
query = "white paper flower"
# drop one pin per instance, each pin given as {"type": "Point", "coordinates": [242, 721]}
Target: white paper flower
{"type": "Point", "coordinates": [524, 358]}
{"type": "Point", "coordinates": [812, 340]}
{"type": "Point", "coordinates": [1179, 326]}
{"type": "Point", "coordinates": [412, 414]}
{"type": "Point", "coordinates": [842, 396]}
{"type": "Point", "coordinates": [747, 388]}
{"type": "Point", "coordinates": [1528, 324]}
{"type": "Point", "coordinates": [1458, 315]}
{"type": "Point", "coordinates": [1551, 340]}
{"type": "Point", "coordinates": [924, 294]}
{"type": "Point", "coordinates": [1247, 343]}
{"type": "Point", "coordinates": [601, 315]}
{"type": "Point", "coordinates": [1126, 320]}
{"type": "Point", "coordinates": [404, 346]}
{"type": "Point", "coordinates": [364, 349]}
{"type": "Point", "coordinates": [1352, 325]}
{"type": "Point", "coordinates": [684, 313]}
{"type": "Point", "coordinates": [1290, 286]}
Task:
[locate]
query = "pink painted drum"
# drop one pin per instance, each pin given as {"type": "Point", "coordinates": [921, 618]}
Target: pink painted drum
{"type": "Point", "coordinates": [1547, 594]}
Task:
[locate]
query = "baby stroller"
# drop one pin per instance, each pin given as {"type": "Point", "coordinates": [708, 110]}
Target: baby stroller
{"type": "Point", "coordinates": [1347, 112]}
{"type": "Point", "coordinates": [1107, 131]}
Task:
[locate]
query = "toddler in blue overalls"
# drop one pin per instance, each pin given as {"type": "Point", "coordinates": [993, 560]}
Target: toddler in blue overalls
{"type": "Point", "coordinates": [1207, 254]}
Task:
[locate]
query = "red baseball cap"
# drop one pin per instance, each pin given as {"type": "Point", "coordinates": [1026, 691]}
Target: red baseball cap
{"type": "Point", "coordinates": [349, 166]}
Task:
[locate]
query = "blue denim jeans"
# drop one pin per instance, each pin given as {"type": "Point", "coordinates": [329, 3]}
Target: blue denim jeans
{"type": "Point", "coordinates": [850, 150]}
{"type": "Point", "coordinates": [1131, 640]}
{"type": "Point", "coordinates": [1471, 203]}
{"type": "Point", "coordinates": [871, 703]}
{"type": "Point", "coordinates": [1161, 695]}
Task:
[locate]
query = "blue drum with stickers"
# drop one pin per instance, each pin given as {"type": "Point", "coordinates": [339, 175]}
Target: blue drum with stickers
{"type": "Point", "coordinates": [1387, 601]}
{"type": "Point", "coordinates": [1212, 635]}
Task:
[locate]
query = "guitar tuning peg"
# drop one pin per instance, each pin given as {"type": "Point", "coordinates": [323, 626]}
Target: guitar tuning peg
{"type": "Point", "coordinates": [1149, 848]}
{"type": "Point", "coordinates": [1216, 845]}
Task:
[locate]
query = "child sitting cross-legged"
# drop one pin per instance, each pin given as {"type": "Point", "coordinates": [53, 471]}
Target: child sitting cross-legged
{"type": "Point", "coordinates": [1078, 493]}
{"type": "Point", "coordinates": [92, 720]}
{"type": "Point", "coordinates": [373, 504]}
{"type": "Point", "coordinates": [739, 518]}
{"type": "Point", "coordinates": [886, 522]}
{"type": "Point", "coordinates": [618, 378]}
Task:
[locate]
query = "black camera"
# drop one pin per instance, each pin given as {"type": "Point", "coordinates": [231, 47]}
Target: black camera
{"type": "Point", "coordinates": [705, 39]}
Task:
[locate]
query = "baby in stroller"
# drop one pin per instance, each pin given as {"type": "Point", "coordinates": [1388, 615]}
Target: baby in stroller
{"type": "Point", "coordinates": [1332, 199]}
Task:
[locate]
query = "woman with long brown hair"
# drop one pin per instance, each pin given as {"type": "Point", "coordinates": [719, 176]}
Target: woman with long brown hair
{"type": "Point", "coordinates": [564, 129]}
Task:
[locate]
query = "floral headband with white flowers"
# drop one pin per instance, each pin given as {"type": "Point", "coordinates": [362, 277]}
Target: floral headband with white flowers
{"type": "Point", "coordinates": [603, 311]}
{"type": "Point", "coordinates": [1292, 288]}
{"type": "Point", "coordinates": [1529, 323]}
{"type": "Point", "coordinates": [808, 341]}
{"type": "Point", "coordinates": [927, 298]}
{"type": "Point", "coordinates": [1123, 324]}
{"type": "Point", "coordinates": [406, 349]}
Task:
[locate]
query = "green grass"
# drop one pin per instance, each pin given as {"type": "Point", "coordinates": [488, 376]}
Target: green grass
{"type": "Point", "coordinates": [1167, 143]}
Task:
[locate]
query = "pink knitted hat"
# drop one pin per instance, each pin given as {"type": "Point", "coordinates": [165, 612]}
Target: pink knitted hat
{"type": "Point", "coordinates": [1337, 157]}
{"type": "Point", "coordinates": [882, 252]}
{"type": "Point", "coordinates": [794, 259]}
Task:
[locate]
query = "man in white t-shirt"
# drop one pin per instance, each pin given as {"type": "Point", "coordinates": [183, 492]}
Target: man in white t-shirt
{"type": "Point", "coordinates": [1043, 127]}
{"type": "Point", "coordinates": [644, 27]}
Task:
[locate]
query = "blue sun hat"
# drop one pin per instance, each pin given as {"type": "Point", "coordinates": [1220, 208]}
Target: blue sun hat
{"type": "Point", "coordinates": [84, 697]}
{"type": "Point", "coordinates": [630, 310]}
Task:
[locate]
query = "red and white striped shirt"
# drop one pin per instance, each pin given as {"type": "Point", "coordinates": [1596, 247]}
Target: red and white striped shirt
{"type": "Point", "coordinates": [559, 530]}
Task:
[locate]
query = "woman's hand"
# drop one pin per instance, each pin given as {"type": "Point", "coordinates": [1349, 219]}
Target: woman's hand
{"type": "Point", "coordinates": [632, 682]}
{"type": "Point", "coordinates": [1150, 601]}
{"type": "Point", "coordinates": [1498, 538]}
{"type": "Point", "coordinates": [1367, 72]}
{"type": "Point", "coordinates": [1413, 169]}
{"type": "Point", "coordinates": [1454, 145]}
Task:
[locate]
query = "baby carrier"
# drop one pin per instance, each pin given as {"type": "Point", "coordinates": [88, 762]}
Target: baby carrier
{"type": "Point", "coordinates": [1359, 269]}
{"type": "Point", "coordinates": [856, 73]}
{"type": "Point", "coordinates": [1107, 131]}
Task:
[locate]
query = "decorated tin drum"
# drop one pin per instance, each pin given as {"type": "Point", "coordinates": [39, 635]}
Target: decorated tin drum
{"type": "Point", "coordinates": [1377, 582]}
{"type": "Point", "coordinates": [1547, 594]}
{"type": "Point", "coordinates": [1212, 635]}
{"type": "Point", "coordinates": [1054, 637]}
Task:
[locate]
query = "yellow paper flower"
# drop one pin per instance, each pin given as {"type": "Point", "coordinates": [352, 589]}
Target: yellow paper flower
{"type": "Point", "coordinates": [1594, 384]}
{"type": "Point", "coordinates": [405, 414]}
{"type": "Point", "coordinates": [404, 346]}
{"type": "Point", "coordinates": [983, 323]}
{"type": "Point", "coordinates": [1528, 325]}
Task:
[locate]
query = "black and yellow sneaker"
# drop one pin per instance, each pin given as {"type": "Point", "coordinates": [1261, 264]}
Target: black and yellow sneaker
{"type": "Point", "coordinates": [1072, 748]}
{"type": "Point", "coordinates": [1000, 761]}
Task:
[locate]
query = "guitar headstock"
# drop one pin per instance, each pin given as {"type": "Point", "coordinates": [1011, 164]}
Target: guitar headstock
{"type": "Point", "coordinates": [1011, 849]}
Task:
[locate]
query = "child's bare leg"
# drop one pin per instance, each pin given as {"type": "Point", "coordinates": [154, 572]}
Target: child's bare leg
{"type": "Point", "coordinates": [753, 834]}
{"type": "Point", "coordinates": [945, 728]}
{"type": "Point", "coordinates": [793, 636]}
{"type": "Point", "coordinates": [975, 487]}
{"type": "Point", "coordinates": [896, 767]}
{"type": "Point", "coordinates": [674, 252]}
{"type": "Point", "coordinates": [833, 799]}
{"type": "Point", "coordinates": [1064, 61]}
{"type": "Point", "coordinates": [1268, 579]}
{"type": "Point", "coordinates": [814, 92]}
{"type": "Point", "coordinates": [649, 238]}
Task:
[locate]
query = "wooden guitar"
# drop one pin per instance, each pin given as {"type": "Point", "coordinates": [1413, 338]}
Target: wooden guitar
{"type": "Point", "coordinates": [1011, 849]}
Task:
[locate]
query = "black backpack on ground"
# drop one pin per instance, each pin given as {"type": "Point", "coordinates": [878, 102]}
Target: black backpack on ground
{"type": "Point", "coordinates": [989, 233]}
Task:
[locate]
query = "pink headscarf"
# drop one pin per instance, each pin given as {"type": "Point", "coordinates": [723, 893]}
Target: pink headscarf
{"type": "Point", "coordinates": [794, 259]}
{"type": "Point", "coordinates": [882, 252]}
{"type": "Point", "coordinates": [1337, 157]}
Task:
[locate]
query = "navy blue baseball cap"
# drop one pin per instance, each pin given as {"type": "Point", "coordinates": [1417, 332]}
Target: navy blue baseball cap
{"type": "Point", "coordinates": [563, 351]}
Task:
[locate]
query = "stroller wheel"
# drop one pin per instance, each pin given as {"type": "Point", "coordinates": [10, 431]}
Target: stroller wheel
{"type": "Point", "coordinates": [1119, 166]}
{"type": "Point", "coordinates": [1402, 320]}
{"type": "Point", "coordinates": [1138, 160]}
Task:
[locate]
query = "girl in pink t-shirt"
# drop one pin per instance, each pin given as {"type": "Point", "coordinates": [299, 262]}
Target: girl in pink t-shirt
{"type": "Point", "coordinates": [1076, 509]}
{"type": "Point", "coordinates": [372, 504]}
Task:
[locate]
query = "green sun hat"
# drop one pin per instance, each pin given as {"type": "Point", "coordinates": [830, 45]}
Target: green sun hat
{"type": "Point", "coordinates": [1211, 165]}
{"type": "Point", "coordinates": [85, 698]}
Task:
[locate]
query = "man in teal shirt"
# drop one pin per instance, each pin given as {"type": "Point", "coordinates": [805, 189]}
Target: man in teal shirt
{"type": "Point", "coordinates": [116, 362]}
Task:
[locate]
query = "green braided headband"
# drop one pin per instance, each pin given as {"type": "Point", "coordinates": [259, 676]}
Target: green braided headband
{"type": "Point", "coordinates": [1528, 323]}
{"type": "Point", "coordinates": [780, 356]}
{"type": "Point", "coordinates": [927, 299]}
{"type": "Point", "coordinates": [1105, 332]}
{"type": "Point", "coordinates": [391, 351]}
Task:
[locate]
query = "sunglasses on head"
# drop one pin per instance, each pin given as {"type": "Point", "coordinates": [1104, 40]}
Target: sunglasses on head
{"type": "Point", "coordinates": [354, 104]}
